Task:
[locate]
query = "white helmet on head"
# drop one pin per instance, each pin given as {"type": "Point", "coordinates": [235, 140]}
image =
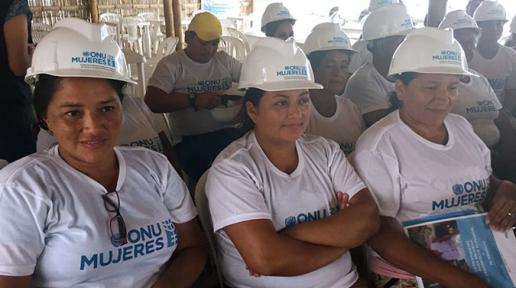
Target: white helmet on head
{"type": "Point", "coordinates": [436, 51]}
{"type": "Point", "coordinates": [76, 48]}
{"type": "Point", "coordinates": [327, 36]}
{"type": "Point", "coordinates": [490, 11]}
{"type": "Point", "coordinates": [390, 20]}
{"type": "Point", "coordinates": [375, 4]}
{"type": "Point", "coordinates": [275, 12]}
{"type": "Point", "coordinates": [513, 25]}
{"type": "Point", "coordinates": [277, 65]}
{"type": "Point", "coordinates": [458, 19]}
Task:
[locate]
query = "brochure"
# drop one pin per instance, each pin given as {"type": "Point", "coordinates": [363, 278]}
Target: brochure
{"type": "Point", "coordinates": [465, 240]}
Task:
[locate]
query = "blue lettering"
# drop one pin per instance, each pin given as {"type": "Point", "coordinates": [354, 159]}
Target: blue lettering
{"type": "Point", "coordinates": [87, 262]}
{"type": "Point", "coordinates": [464, 199]}
{"type": "Point", "coordinates": [471, 198]}
{"type": "Point", "coordinates": [159, 244]}
{"type": "Point", "coordinates": [313, 217]}
{"type": "Point", "coordinates": [104, 263]}
{"type": "Point", "coordinates": [127, 253]}
{"type": "Point", "coordinates": [301, 218]}
{"type": "Point", "coordinates": [119, 254]}
{"type": "Point", "coordinates": [133, 236]}
{"type": "Point", "coordinates": [146, 232]}
{"type": "Point", "coordinates": [468, 187]}
{"type": "Point", "coordinates": [138, 250]}
{"type": "Point", "coordinates": [149, 247]}
{"type": "Point", "coordinates": [156, 232]}
{"type": "Point", "coordinates": [439, 205]}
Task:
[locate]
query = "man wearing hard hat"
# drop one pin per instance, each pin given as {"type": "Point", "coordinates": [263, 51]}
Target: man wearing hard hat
{"type": "Point", "coordinates": [368, 88]}
{"type": "Point", "coordinates": [277, 21]}
{"type": "Point", "coordinates": [188, 84]}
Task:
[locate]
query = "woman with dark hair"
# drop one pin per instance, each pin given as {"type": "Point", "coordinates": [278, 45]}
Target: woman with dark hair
{"type": "Point", "coordinates": [87, 213]}
{"type": "Point", "coordinates": [16, 118]}
{"type": "Point", "coordinates": [420, 160]}
{"type": "Point", "coordinates": [284, 206]}
{"type": "Point", "coordinates": [332, 115]}
{"type": "Point", "coordinates": [278, 22]}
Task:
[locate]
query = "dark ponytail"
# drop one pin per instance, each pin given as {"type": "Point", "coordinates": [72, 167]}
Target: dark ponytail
{"type": "Point", "coordinates": [253, 95]}
{"type": "Point", "coordinates": [405, 78]}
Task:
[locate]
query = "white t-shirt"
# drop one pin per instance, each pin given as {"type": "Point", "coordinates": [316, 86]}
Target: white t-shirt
{"type": "Point", "coordinates": [477, 102]}
{"type": "Point", "coordinates": [411, 177]}
{"type": "Point", "coordinates": [343, 127]}
{"type": "Point", "coordinates": [362, 57]}
{"type": "Point", "coordinates": [56, 227]}
{"type": "Point", "coordinates": [369, 90]}
{"type": "Point", "coordinates": [138, 128]}
{"type": "Point", "coordinates": [178, 73]}
{"type": "Point", "coordinates": [500, 70]}
{"type": "Point", "coordinates": [244, 185]}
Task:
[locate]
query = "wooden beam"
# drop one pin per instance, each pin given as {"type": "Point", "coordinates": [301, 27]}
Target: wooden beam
{"type": "Point", "coordinates": [169, 18]}
{"type": "Point", "coordinates": [178, 31]}
{"type": "Point", "coordinates": [94, 11]}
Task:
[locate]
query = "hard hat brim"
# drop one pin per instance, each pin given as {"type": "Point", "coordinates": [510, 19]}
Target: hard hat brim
{"type": "Point", "coordinates": [435, 70]}
{"type": "Point", "coordinates": [31, 78]}
{"type": "Point", "coordinates": [285, 85]}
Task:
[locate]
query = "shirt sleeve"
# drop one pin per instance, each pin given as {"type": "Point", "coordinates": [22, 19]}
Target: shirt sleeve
{"type": "Point", "coordinates": [22, 239]}
{"type": "Point", "coordinates": [18, 7]}
{"type": "Point", "coordinates": [233, 195]}
{"type": "Point", "coordinates": [177, 199]}
{"type": "Point", "coordinates": [379, 173]}
{"type": "Point", "coordinates": [366, 95]}
{"type": "Point", "coordinates": [491, 95]}
{"type": "Point", "coordinates": [343, 175]}
{"type": "Point", "coordinates": [165, 74]}
{"type": "Point", "coordinates": [234, 67]}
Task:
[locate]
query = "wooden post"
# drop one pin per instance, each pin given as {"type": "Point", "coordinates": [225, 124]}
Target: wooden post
{"type": "Point", "coordinates": [178, 31]}
{"type": "Point", "coordinates": [94, 11]}
{"type": "Point", "coordinates": [169, 18]}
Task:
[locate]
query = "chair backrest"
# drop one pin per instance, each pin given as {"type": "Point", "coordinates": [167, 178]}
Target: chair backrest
{"type": "Point", "coordinates": [135, 60]}
{"type": "Point", "coordinates": [39, 30]}
{"type": "Point", "coordinates": [234, 47]}
{"type": "Point", "coordinates": [110, 18]}
{"type": "Point", "coordinates": [238, 34]}
{"type": "Point", "coordinates": [166, 47]}
{"type": "Point", "coordinates": [148, 16]}
{"type": "Point", "coordinates": [201, 201]}
{"type": "Point", "coordinates": [113, 21]}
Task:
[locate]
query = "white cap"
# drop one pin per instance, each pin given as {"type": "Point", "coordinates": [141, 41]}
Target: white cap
{"type": "Point", "coordinates": [458, 19]}
{"type": "Point", "coordinates": [436, 51]}
{"type": "Point", "coordinates": [76, 48]}
{"type": "Point", "coordinates": [390, 20]}
{"type": "Point", "coordinates": [277, 65]}
{"type": "Point", "coordinates": [513, 25]}
{"type": "Point", "coordinates": [327, 36]}
{"type": "Point", "coordinates": [490, 11]}
{"type": "Point", "coordinates": [375, 4]}
{"type": "Point", "coordinates": [275, 12]}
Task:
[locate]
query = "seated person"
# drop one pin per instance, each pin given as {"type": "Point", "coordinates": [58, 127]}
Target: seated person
{"type": "Point", "coordinates": [187, 84]}
{"type": "Point", "coordinates": [332, 116]}
{"type": "Point", "coordinates": [87, 213]}
{"type": "Point", "coordinates": [414, 159]}
{"type": "Point", "coordinates": [278, 22]}
{"type": "Point", "coordinates": [368, 87]}
{"type": "Point", "coordinates": [285, 206]}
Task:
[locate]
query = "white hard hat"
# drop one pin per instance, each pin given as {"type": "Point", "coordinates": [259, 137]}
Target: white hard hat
{"type": "Point", "coordinates": [327, 36]}
{"type": "Point", "coordinates": [387, 21]}
{"type": "Point", "coordinates": [513, 25]}
{"type": "Point", "coordinates": [276, 65]}
{"type": "Point", "coordinates": [458, 19]}
{"type": "Point", "coordinates": [490, 11]}
{"type": "Point", "coordinates": [375, 4]}
{"type": "Point", "coordinates": [76, 48]}
{"type": "Point", "coordinates": [436, 51]}
{"type": "Point", "coordinates": [275, 12]}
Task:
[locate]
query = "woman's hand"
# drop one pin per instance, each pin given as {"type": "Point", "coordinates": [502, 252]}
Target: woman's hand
{"type": "Point", "coordinates": [502, 214]}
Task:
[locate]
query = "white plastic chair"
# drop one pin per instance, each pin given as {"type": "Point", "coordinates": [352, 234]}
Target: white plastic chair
{"type": "Point", "coordinates": [201, 201]}
{"type": "Point", "coordinates": [39, 30]}
{"type": "Point", "coordinates": [238, 34]}
{"type": "Point", "coordinates": [113, 21]}
{"type": "Point", "coordinates": [131, 32]}
{"type": "Point", "coordinates": [136, 64]}
{"type": "Point", "coordinates": [234, 47]}
{"type": "Point", "coordinates": [166, 47]}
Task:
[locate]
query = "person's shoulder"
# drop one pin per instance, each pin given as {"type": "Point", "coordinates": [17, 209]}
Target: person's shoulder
{"type": "Point", "coordinates": [175, 58]}
{"type": "Point", "coordinates": [27, 171]}
{"type": "Point", "coordinates": [237, 151]}
{"type": "Point", "coordinates": [378, 132]}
